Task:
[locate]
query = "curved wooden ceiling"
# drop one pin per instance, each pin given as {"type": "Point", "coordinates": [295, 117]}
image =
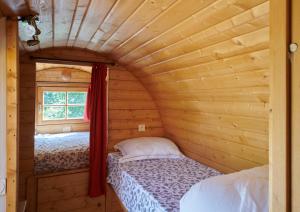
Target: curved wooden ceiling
{"type": "Point", "coordinates": [206, 63]}
{"type": "Point", "coordinates": [142, 32]}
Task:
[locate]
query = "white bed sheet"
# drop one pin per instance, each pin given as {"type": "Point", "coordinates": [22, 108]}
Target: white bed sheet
{"type": "Point", "coordinates": [244, 191]}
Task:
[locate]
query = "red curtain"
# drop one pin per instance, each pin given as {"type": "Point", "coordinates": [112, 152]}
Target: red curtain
{"type": "Point", "coordinates": [87, 109]}
{"type": "Point", "coordinates": [96, 112]}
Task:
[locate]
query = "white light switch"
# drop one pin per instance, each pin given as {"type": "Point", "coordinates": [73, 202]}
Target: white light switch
{"type": "Point", "coordinates": [2, 187]}
{"type": "Point", "coordinates": [141, 128]}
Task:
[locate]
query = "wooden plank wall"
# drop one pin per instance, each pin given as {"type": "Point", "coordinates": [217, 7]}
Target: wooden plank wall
{"type": "Point", "coordinates": [295, 184]}
{"type": "Point", "coordinates": [27, 120]}
{"type": "Point", "coordinates": [130, 104]}
{"type": "Point", "coordinates": [2, 106]}
{"type": "Point", "coordinates": [54, 77]}
{"type": "Point", "coordinates": [206, 63]}
{"type": "Point", "coordinates": [212, 87]}
{"type": "Point", "coordinates": [63, 75]}
{"type": "Point", "coordinates": [280, 196]}
{"type": "Point", "coordinates": [66, 192]}
{"type": "Point", "coordinates": [12, 115]}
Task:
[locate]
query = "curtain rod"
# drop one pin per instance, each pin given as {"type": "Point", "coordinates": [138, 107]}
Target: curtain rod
{"type": "Point", "coordinates": [60, 61]}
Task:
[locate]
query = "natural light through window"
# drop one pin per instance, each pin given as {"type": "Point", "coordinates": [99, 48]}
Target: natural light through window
{"type": "Point", "coordinates": [63, 105]}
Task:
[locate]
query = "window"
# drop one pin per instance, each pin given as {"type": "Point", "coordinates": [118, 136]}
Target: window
{"type": "Point", "coordinates": [61, 104]}
{"type": "Point", "coordinates": [58, 105]}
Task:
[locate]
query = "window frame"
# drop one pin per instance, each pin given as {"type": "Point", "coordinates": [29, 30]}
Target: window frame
{"type": "Point", "coordinates": [40, 104]}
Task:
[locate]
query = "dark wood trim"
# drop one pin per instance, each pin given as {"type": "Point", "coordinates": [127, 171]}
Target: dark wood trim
{"type": "Point", "coordinates": [71, 62]}
{"type": "Point", "coordinates": [70, 56]}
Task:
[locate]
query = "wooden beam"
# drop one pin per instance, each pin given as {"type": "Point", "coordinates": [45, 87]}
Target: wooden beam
{"type": "Point", "coordinates": [14, 8]}
{"type": "Point", "coordinates": [295, 113]}
{"type": "Point", "coordinates": [2, 106]}
{"type": "Point", "coordinates": [280, 113]}
{"type": "Point", "coordinates": [70, 56]}
{"type": "Point", "coordinates": [12, 114]}
{"type": "Point", "coordinates": [63, 61]}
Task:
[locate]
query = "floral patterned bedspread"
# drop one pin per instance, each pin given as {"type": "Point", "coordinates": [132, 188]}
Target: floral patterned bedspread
{"type": "Point", "coordinates": [154, 185]}
{"type": "Point", "coordinates": [59, 152]}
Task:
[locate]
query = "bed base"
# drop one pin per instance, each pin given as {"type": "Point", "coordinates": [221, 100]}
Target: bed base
{"type": "Point", "coordinates": [113, 203]}
{"type": "Point", "coordinates": [62, 191]}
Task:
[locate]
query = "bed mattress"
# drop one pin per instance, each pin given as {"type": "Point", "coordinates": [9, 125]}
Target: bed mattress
{"type": "Point", "coordinates": [154, 185]}
{"type": "Point", "coordinates": [59, 152]}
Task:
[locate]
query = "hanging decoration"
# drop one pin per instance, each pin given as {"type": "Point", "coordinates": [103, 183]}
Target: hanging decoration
{"type": "Point", "coordinates": [30, 26]}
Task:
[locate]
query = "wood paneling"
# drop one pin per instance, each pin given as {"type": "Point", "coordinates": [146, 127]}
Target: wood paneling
{"type": "Point", "coordinates": [43, 66]}
{"type": "Point", "coordinates": [59, 128]}
{"type": "Point", "coordinates": [206, 63]}
{"type": "Point", "coordinates": [216, 21]}
{"type": "Point", "coordinates": [129, 105]}
{"type": "Point", "coordinates": [64, 78]}
{"type": "Point", "coordinates": [212, 84]}
{"type": "Point", "coordinates": [66, 192]}
{"type": "Point", "coordinates": [14, 8]}
{"type": "Point", "coordinates": [63, 75]}
{"type": "Point", "coordinates": [129, 31]}
{"type": "Point", "coordinates": [279, 116]}
{"type": "Point", "coordinates": [27, 109]}
{"type": "Point", "coordinates": [12, 115]}
{"type": "Point", "coordinates": [69, 54]}
{"type": "Point", "coordinates": [295, 112]}
{"type": "Point", "coordinates": [2, 106]}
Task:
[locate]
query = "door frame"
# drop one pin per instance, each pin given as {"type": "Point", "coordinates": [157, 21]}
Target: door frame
{"type": "Point", "coordinates": [280, 113]}
{"type": "Point", "coordinates": [3, 107]}
{"type": "Point", "coordinates": [295, 107]}
{"type": "Point", "coordinates": [12, 114]}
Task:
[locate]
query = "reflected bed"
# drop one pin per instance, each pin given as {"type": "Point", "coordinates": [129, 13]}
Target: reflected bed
{"type": "Point", "coordinates": [60, 152]}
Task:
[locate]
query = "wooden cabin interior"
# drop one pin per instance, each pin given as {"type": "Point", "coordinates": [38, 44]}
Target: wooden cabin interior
{"type": "Point", "coordinates": [214, 82]}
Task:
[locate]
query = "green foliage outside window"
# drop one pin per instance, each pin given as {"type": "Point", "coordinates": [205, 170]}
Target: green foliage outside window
{"type": "Point", "coordinates": [54, 98]}
{"type": "Point", "coordinates": [61, 105]}
{"type": "Point", "coordinates": [75, 112]}
{"type": "Point", "coordinates": [54, 112]}
{"type": "Point", "coordinates": [76, 97]}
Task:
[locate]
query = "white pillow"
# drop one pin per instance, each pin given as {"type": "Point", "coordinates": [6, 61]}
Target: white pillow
{"type": "Point", "coordinates": [237, 192]}
{"type": "Point", "coordinates": [147, 148]}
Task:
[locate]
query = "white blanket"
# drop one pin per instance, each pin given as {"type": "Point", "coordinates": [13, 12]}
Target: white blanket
{"type": "Point", "coordinates": [244, 191]}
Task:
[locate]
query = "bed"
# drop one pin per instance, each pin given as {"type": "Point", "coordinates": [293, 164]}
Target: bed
{"type": "Point", "coordinates": [60, 152]}
{"type": "Point", "coordinates": [154, 184]}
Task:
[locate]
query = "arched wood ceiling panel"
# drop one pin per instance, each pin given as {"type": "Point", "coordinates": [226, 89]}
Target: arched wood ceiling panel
{"type": "Point", "coordinates": [131, 31]}
{"type": "Point", "coordinates": [206, 63]}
